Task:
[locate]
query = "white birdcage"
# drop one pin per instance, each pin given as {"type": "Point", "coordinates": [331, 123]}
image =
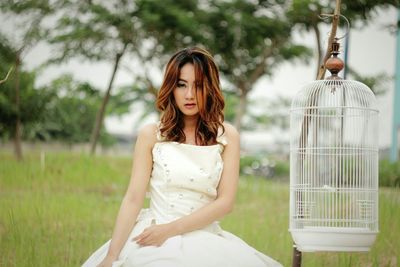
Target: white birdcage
{"type": "Point", "coordinates": [334, 166]}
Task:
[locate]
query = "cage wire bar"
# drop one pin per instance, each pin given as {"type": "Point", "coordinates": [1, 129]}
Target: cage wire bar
{"type": "Point", "coordinates": [334, 167]}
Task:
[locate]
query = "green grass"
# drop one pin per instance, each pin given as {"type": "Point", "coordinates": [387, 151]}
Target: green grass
{"type": "Point", "coordinates": [58, 213]}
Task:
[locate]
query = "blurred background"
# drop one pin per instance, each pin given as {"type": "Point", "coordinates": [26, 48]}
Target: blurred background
{"type": "Point", "coordinates": [79, 78]}
{"type": "Point", "coordinates": [72, 55]}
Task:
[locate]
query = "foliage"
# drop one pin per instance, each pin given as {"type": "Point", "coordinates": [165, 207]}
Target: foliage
{"type": "Point", "coordinates": [378, 83]}
{"type": "Point", "coordinates": [248, 39]}
{"type": "Point", "coordinates": [304, 14]}
{"type": "Point", "coordinates": [32, 107]}
{"type": "Point", "coordinates": [63, 110]}
{"type": "Point", "coordinates": [71, 112]}
{"type": "Point", "coordinates": [97, 31]}
{"type": "Point", "coordinates": [29, 19]}
{"type": "Point", "coordinates": [231, 101]}
{"type": "Point", "coordinates": [170, 25]}
{"type": "Point", "coordinates": [389, 173]}
{"type": "Point", "coordinates": [282, 168]}
{"type": "Point", "coordinates": [363, 11]}
{"type": "Point", "coordinates": [134, 96]}
{"type": "Point", "coordinates": [32, 100]}
{"type": "Point", "coordinates": [266, 113]}
{"type": "Point", "coordinates": [264, 166]}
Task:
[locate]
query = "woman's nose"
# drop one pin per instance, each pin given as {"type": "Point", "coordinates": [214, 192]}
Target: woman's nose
{"type": "Point", "coordinates": [189, 92]}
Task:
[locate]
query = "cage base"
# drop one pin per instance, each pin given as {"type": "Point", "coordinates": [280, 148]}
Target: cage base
{"type": "Point", "coordinates": [311, 239]}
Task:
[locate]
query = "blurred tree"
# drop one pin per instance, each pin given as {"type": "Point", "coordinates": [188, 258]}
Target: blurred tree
{"type": "Point", "coordinates": [70, 113]}
{"type": "Point", "coordinates": [106, 31]}
{"type": "Point", "coordinates": [109, 30]}
{"type": "Point", "coordinates": [29, 16]}
{"type": "Point", "coordinates": [231, 101]}
{"type": "Point", "coordinates": [248, 38]}
{"type": "Point", "coordinates": [98, 31]}
{"type": "Point", "coordinates": [169, 26]}
{"type": "Point", "coordinates": [63, 110]}
{"type": "Point", "coordinates": [165, 27]}
{"type": "Point", "coordinates": [378, 83]}
{"type": "Point", "coordinates": [31, 101]}
{"type": "Point", "coordinates": [265, 114]}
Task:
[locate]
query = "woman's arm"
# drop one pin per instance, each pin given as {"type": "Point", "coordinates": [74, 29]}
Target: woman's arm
{"type": "Point", "coordinates": [135, 194]}
{"type": "Point", "coordinates": [226, 191]}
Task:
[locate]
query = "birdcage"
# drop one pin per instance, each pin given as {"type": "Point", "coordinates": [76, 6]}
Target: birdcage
{"type": "Point", "coordinates": [334, 166]}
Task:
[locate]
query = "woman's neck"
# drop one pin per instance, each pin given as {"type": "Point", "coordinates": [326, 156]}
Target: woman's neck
{"type": "Point", "coordinates": [189, 129]}
{"type": "Point", "coordinates": [190, 123]}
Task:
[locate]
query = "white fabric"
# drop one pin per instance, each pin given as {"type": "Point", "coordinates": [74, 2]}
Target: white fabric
{"type": "Point", "coordinates": [184, 178]}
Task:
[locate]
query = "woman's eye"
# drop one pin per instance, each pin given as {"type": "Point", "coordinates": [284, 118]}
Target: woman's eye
{"type": "Point", "coordinates": [180, 85]}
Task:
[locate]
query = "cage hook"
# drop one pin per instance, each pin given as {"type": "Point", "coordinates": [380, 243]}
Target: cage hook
{"type": "Point", "coordinates": [325, 16]}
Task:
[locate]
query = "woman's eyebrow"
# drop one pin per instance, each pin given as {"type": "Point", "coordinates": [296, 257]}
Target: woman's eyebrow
{"type": "Point", "coordinates": [182, 80]}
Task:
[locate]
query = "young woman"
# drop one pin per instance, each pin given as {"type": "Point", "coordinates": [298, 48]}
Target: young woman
{"type": "Point", "coordinates": [190, 162]}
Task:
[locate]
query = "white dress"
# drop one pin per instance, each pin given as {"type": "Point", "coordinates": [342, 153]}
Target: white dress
{"type": "Point", "coordinates": [184, 178]}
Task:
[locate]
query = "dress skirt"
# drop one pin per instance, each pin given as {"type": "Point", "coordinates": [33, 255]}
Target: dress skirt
{"type": "Point", "coordinates": [209, 247]}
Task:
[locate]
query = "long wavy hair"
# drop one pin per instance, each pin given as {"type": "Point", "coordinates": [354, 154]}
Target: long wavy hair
{"type": "Point", "coordinates": [210, 100]}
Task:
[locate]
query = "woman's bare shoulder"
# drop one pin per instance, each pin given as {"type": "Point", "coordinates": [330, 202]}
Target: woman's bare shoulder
{"type": "Point", "coordinates": [148, 134]}
{"type": "Point", "coordinates": [231, 133]}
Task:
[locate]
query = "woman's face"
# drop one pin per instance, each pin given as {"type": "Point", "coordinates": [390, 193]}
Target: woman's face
{"type": "Point", "coordinates": [185, 92]}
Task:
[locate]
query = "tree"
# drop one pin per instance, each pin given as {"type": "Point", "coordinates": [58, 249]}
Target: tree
{"type": "Point", "coordinates": [31, 31]}
{"type": "Point", "coordinates": [377, 83]}
{"type": "Point", "coordinates": [31, 101]}
{"type": "Point", "coordinates": [265, 114]}
{"type": "Point", "coordinates": [103, 31]}
{"type": "Point", "coordinates": [248, 39]}
{"type": "Point", "coordinates": [106, 31]}
{"type": "Point", "coordinates": [70, 112]}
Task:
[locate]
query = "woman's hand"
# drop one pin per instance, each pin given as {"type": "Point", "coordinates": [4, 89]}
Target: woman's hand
{"type": "Point", "coordinates": [154, 235]}
{"type": "Point", "coordinates": [107, 262]}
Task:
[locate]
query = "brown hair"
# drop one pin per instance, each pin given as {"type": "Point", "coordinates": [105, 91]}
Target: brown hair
{"type": "Point", "coordinates": [210, 100]}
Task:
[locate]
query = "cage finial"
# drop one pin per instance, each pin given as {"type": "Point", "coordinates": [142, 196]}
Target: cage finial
{"type": "Point", "coordinates": [334, 64]}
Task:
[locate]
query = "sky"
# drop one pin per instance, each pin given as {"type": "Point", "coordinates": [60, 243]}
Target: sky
{"type": "Point", "coordinates": [373, 43]}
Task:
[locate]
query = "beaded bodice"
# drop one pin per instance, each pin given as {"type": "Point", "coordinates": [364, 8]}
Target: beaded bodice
{"type": "Point", "coordinates": [184, 178]}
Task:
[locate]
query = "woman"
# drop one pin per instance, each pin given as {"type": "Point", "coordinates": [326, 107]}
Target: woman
{"type": "Point", "coordinates": [190, 159]}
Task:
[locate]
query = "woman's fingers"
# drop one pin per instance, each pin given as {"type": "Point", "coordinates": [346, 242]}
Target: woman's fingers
{"type": "Point", "coordinates": [150, 236]}
{"type": "Point", "coordinates": [146, 241]}
{"type": "Point", "coordinates": [144, 234]}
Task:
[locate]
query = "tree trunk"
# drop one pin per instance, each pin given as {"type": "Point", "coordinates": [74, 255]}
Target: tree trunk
{"type": "Point", "coordinates": [335, 23]}
{"type": "Point", "coordinates": [319, 47]}
{"type": "Point", "coordinates": [241, 109]}
{"type": "Point", "coordinates": [100, 114]}
{"type": "Point", "coordinates": [17, 133]}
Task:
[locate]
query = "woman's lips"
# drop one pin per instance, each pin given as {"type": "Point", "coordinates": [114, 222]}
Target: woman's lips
{"type": "Point", "coordinates": [190, 106]}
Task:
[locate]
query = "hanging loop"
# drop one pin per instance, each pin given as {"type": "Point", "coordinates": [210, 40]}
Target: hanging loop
{"type": "Point", "coordinates": [325, 16]}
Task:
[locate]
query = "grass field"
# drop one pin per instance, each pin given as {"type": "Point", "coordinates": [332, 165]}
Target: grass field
{"type": "Point", "coordinates": [56, 212]}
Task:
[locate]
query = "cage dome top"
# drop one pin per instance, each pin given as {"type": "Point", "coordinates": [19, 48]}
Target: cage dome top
{"type": "Point", "coordinates": [334, 93]}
